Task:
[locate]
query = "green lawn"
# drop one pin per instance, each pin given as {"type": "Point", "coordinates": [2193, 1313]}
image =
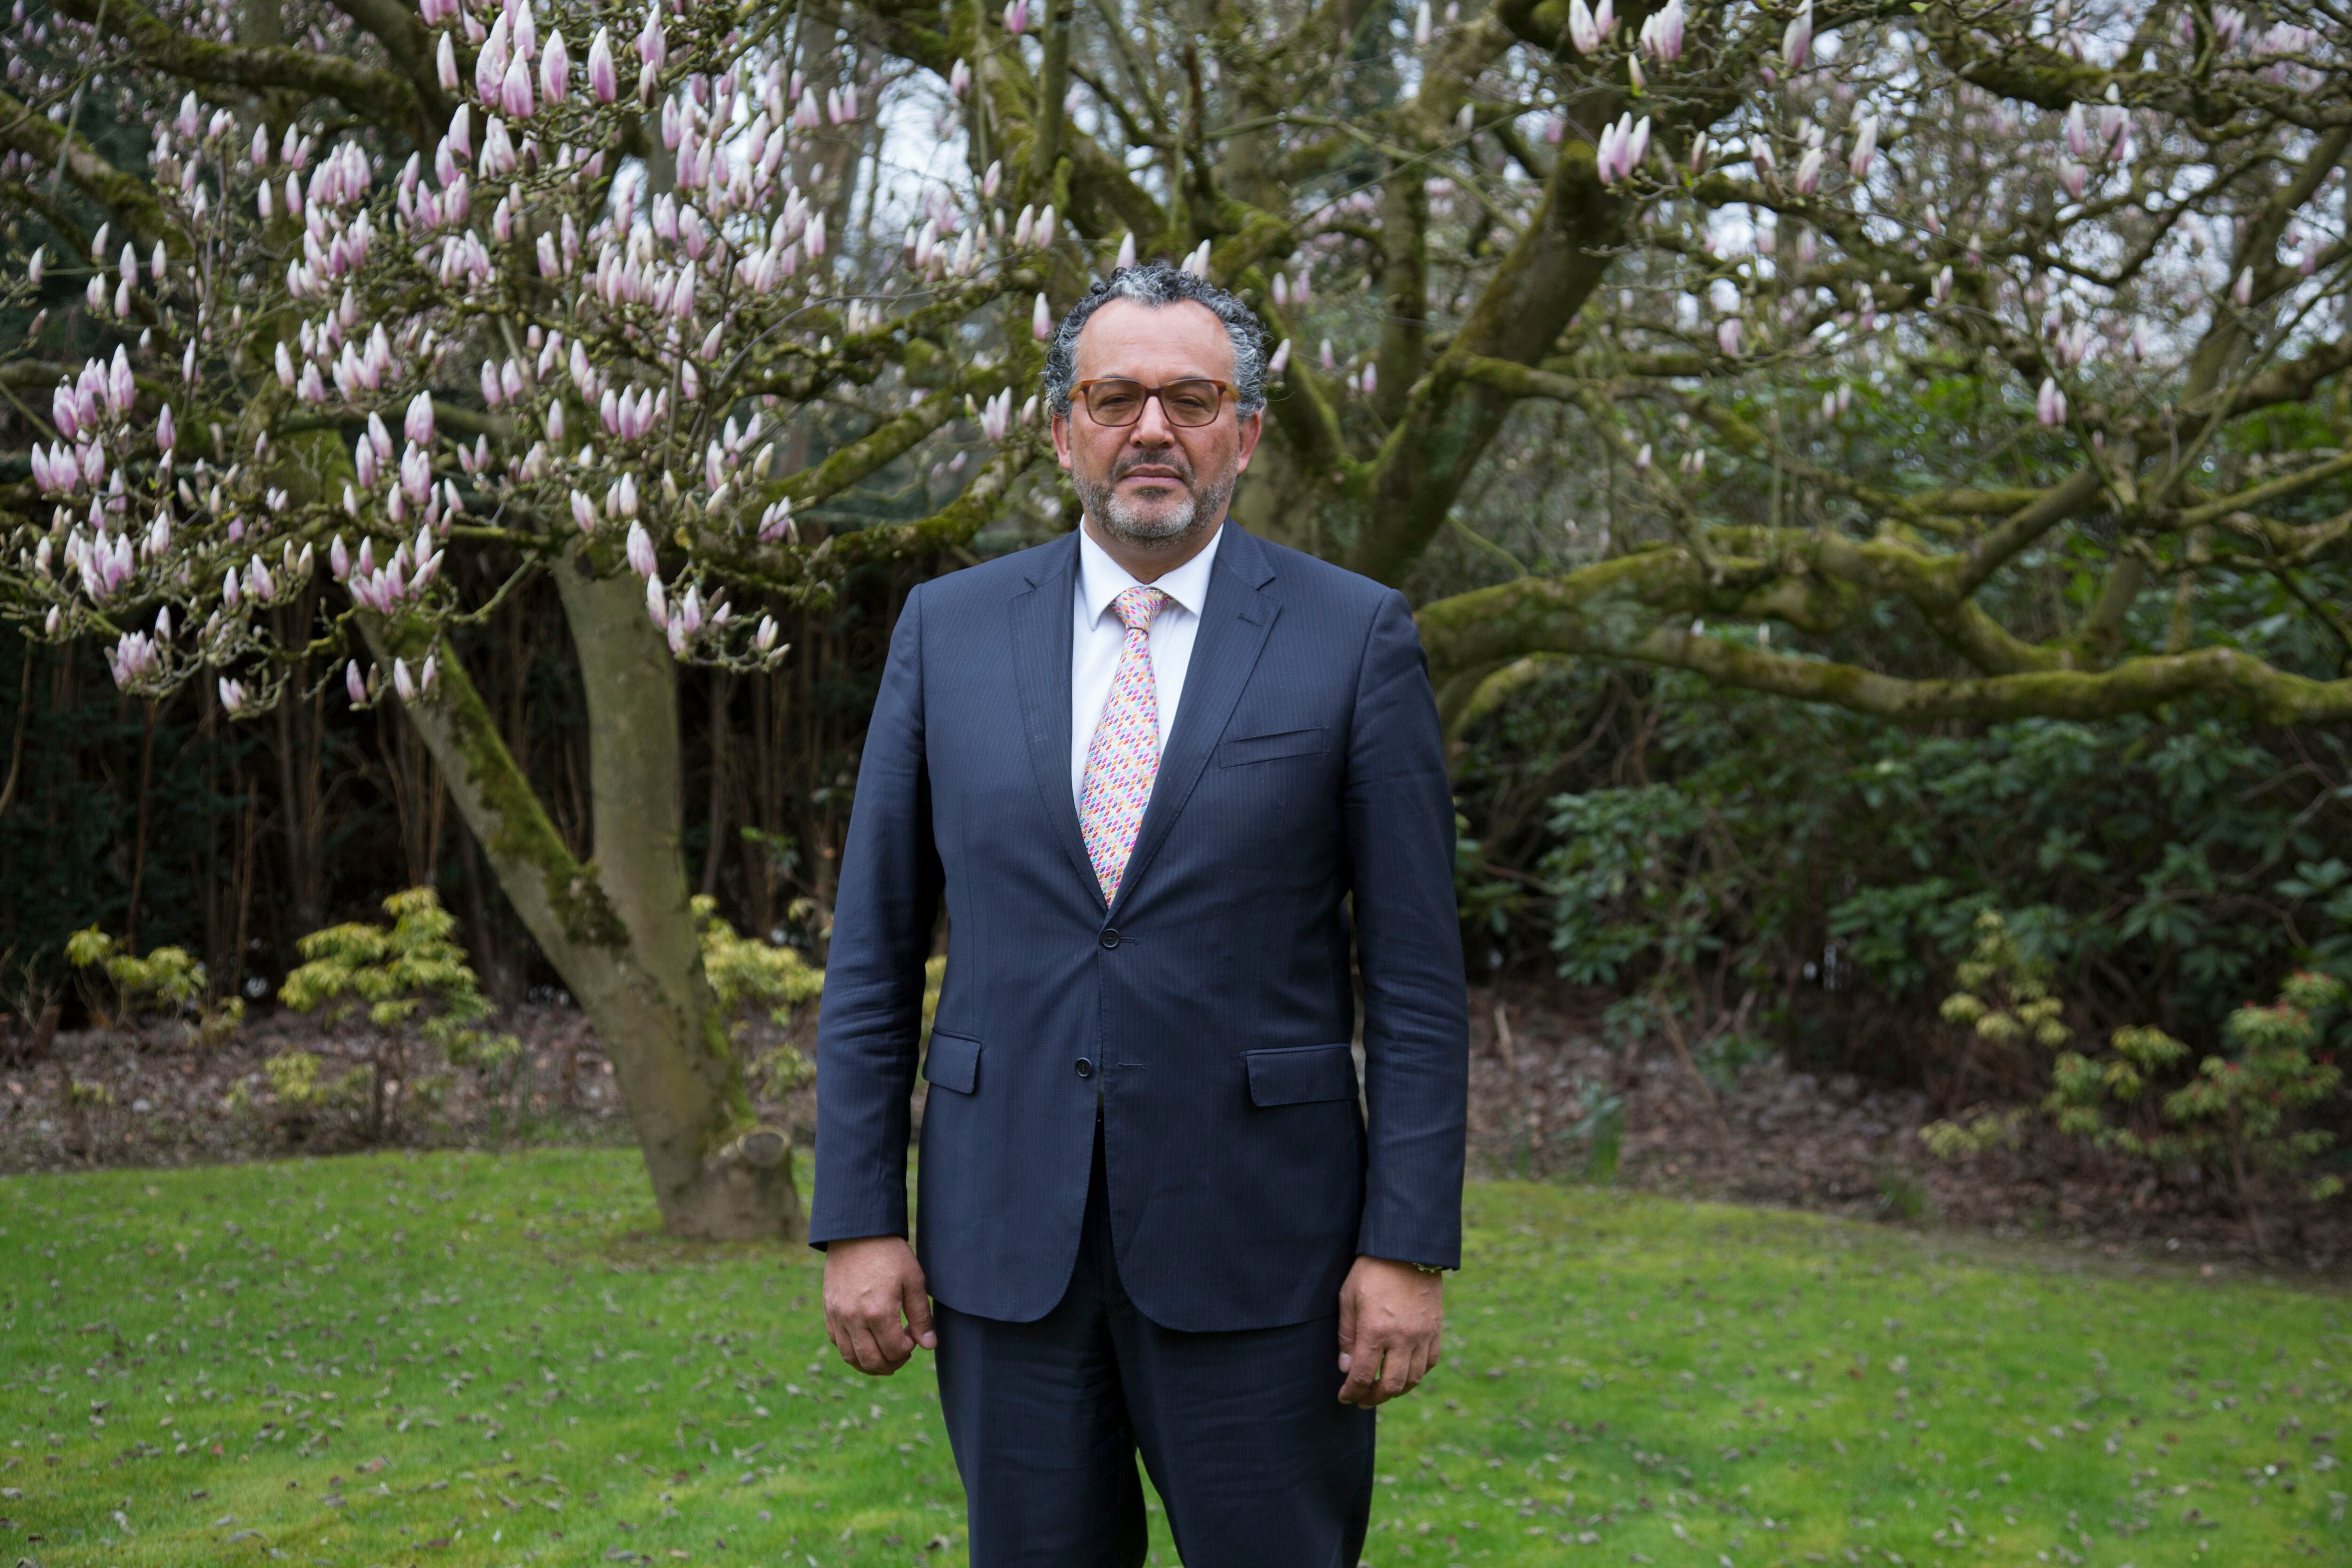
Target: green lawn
{"type": "Point", "coordinates": [476, 1360]}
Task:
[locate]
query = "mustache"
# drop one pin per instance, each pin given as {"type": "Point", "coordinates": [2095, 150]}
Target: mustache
{"type": "Point", "coordinates": [1174, 462]}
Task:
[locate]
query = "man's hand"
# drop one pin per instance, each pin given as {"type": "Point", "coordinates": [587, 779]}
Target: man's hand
{"type": "Point", "coordinates": [1392, 1328]}
{"type": "Point", "coordinates": [875, 1307]}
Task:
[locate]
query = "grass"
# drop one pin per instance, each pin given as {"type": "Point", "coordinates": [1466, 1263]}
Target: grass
{"type": "Point", "coordinates": [462, 1359]}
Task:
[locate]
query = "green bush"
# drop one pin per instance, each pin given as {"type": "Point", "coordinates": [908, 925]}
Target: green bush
{"type": "Point", "coordinates": [753, 976]}
{"type": "Point", "coordinates": [2160, 867]}
{"type": "Point", "coordinates": [166, 983]}
{"type": "Point", "coordinates": [423, 1012]}
{"type": "Point", "coordinates": [2235, 1117]}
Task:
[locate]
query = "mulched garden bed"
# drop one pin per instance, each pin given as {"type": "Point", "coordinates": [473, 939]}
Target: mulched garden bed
{"type": "Point", "coordinates": [1542, 1086]}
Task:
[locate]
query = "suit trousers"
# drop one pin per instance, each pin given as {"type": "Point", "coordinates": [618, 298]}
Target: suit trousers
{"type": "Point", "coordinates": [1258, 1462]}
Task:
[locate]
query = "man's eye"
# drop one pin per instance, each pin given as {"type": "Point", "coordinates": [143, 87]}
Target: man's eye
{"type": "Point", "coordinates": [1114, 404]}
{"type": "Point", "coordinates": [1194, 404]}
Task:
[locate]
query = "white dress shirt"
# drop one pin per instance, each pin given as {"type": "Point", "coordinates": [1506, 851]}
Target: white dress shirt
{"type": "Point", "coordinates": [1099, 636]}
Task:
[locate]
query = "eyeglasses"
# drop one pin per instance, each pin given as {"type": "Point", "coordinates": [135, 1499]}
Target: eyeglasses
{"type": "Point", "coordinates": [1190, 403]}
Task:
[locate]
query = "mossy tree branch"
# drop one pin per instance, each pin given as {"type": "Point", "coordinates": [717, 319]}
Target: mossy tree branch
{"type": "Point", "coordinates": [126, 199]}
{"type": "Point", "coordinates": [374, 95]}
{"type": "Point", "coordinates": [1642, 608]}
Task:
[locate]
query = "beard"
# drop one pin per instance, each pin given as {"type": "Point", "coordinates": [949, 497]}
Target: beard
{"type": "Point", "coordinates": [1155, 522]}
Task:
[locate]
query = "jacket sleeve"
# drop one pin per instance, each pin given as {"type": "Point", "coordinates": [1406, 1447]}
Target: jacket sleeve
{"type": "Point", "coordinates": [1399, 826]}
{"type": "Point", "coordinates": [870, 1022]}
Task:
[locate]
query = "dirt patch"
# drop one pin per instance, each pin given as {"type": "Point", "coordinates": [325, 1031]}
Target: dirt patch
{"type": "Point", "coordinates": [107, 1098]}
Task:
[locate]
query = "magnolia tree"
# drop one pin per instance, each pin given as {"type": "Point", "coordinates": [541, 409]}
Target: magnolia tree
{"type": "Point", "coordinates": [563, 334]}
{"type": "Point", "coordinates": [1678, 244]}
{"type": "Point", "coordinates": [1716, 334]}
{"type": "Point", "coordinates": [2105, 247]}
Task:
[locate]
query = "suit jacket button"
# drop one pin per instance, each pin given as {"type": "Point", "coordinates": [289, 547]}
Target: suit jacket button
{"type": "Point", "coordinates": [1110, 938]}
{"type": "Point", "coordinates": [1085, 1067]}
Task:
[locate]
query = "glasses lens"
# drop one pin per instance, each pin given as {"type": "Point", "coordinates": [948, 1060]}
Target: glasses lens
{"type": "Point", "coordinates": [1115, 401]}
{"type": "Point", "coordinates": [1190, 402]}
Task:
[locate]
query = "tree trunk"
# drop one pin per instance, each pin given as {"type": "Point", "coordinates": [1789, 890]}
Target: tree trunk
{"type": "Point", "coordinates": [300, 800]}
{"type": "Point", "coordinates": [618, 927]}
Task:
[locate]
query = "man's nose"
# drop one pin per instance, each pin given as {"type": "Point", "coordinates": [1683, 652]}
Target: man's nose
{"type": "Point", "coordinates": [1152, 428]}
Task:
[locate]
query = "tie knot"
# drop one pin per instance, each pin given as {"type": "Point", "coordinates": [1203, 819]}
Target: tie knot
{"type": "Point", "coordinates": [1136, 606]}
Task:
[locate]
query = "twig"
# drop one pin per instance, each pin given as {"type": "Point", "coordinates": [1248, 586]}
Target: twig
{"type": "Point", "coordinates": [73, 114]}
{"type": "Point", "coordinates": [1675, 1036]}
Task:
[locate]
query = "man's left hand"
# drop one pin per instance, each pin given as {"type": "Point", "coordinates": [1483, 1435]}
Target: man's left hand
{"type": "Point", "coordinates": [1392, 1328]}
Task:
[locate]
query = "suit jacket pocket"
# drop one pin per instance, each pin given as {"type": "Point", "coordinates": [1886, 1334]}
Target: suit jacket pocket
{"type": "Point", "coordinates": [1243, 748]}
{"type": "Point", "coordinates": [1301, 1075]}
{"type": "Point", "coordinates": [954, 1062]}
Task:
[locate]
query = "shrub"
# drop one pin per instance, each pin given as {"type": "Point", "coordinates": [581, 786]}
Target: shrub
{"type": "Point", "coordinates": [750, 975]}
{"type": "Point", "coordinates": [411, 986]}
{"type": "Point", "coordinates": [167, 981]}
{"type": "Point", "coordinates": [2234, 1118]}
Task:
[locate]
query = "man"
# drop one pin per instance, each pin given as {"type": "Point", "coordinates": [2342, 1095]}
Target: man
{"type": "Point", "coordinates": [1162, 773]}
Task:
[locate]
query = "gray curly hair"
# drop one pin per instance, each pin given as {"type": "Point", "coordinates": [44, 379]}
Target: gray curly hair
{"type": "Point", "coordinates": [1157, 283]}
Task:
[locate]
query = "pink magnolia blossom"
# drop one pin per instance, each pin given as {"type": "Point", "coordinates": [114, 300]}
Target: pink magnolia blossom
{"type": "Point", "coordinates": [1865, 143]}
{"type": "Point", "coordinates": [1809, 173]}
{"type": "Point", "coordinates": [2050, 403]}
{"type": "Point", "coordinates": [1797, 39]}
{"type": "Point", "coordinates": [490, 64]}
{"type": "Point", "coordinates": [555, 69]}
{"type": "Point", "coordinates": [604, 81]}
{"type": "Point", "coordinates": [514, 91]}
{"type": "Point", "coordinates": [1581, 29]}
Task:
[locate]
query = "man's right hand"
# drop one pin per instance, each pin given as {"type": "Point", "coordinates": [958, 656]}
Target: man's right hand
{"type": "Point", "coordinates": [877, 1309]}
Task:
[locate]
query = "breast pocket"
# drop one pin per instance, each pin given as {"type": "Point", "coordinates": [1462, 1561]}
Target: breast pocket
{"type": "Point", "coordinates": [1243, 750]}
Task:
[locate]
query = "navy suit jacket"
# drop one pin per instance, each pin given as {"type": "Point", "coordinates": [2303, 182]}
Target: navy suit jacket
{"type": "Point", "coordinates": [1208, 1013]}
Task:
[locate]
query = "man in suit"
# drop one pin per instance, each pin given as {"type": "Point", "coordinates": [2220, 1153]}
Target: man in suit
{"type": "Point", "coordinates": [1167, 779]}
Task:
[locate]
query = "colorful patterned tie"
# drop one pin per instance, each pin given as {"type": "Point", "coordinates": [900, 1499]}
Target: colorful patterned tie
{"type": "Point", "coordinates": [1124, 756]}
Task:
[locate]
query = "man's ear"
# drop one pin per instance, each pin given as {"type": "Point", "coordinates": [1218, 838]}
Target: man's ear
{"type": "Point", "coordinates": [1249, 430]}
{"type": "Point", "coordinates": [1062, 440]}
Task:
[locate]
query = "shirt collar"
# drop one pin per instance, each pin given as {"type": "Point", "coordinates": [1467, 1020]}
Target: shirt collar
{"type": "Point", "coordinates": [1102, 579]}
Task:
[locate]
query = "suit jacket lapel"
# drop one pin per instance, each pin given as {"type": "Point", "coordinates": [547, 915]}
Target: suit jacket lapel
{"type": "Point", "coordinates": [1234, 621]}
{"type": "Point", "coordinates": [1041, 618]}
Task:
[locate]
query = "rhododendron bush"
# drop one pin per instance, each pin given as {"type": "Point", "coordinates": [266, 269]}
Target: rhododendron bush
{"type": "Point", "coordinates": [1722, 337]}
